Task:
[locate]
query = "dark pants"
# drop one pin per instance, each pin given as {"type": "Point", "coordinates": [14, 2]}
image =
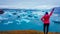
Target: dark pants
{"type": "Point", "coordinates": [46, 27]}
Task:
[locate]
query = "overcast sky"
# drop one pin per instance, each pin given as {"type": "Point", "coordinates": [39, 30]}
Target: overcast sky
{"type": "Point", "coordinates": [29, 3]}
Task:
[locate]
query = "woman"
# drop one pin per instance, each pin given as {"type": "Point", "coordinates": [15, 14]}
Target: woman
{"type": "Point", "coordinates": [46, 21]}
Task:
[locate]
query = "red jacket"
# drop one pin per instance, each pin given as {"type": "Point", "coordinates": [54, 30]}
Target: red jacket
{"type": "Point", "coordinates": [46, 18]}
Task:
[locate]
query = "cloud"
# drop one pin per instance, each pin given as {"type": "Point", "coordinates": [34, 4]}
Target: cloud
{"type": "Point", "coordinates": [47, 6]}
{"type": "Point", "coordinates": [29, 7]}
{"type": "Point", "coordinates": [29, 4]}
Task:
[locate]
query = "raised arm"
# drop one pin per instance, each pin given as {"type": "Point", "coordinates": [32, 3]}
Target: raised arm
{"type": "Point", "coordinates": [52, 11]}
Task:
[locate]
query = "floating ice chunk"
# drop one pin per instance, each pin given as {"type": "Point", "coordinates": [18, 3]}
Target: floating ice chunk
{"type": "Point", "coordinates": [18, 23]}
{"type": "Point", "coordinates": [9, 22]}
{"type": "Point", "coordinates": [55, 14]}
{"type": "Point", "coordinates": [6, 23]}
{"type": "Point", "coordinates": [24, 16]}
{"type": "Point", "coordinates": [5, 18]}
{"type": "Point", "coordinates": [56, 20]}
{"type": "Point", "coordinates": [5, 12]}
{"type": "Point", "coordinates": [1, 18]}
{"type": "Point", "coordinates": [38, 13]}
{"type": "Point", "coordinates": [18, 20]}
{"type": "Point", "coordinates": [9, 13]}
{"type": "Point", "coordinates": [27, 21]}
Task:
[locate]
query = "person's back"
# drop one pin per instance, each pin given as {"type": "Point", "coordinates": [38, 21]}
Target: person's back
{"type": "Point", "coordinates": [46, 21]}
{"type": "Point", "coordinates": [46, 17]}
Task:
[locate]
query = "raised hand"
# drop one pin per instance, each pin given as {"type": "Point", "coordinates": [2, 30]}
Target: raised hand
{"type": "Point", "coordinates": [53, 9]}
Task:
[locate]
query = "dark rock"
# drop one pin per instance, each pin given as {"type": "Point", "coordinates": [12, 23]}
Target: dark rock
{"type": "Point", "coordinates": [1, 11]}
